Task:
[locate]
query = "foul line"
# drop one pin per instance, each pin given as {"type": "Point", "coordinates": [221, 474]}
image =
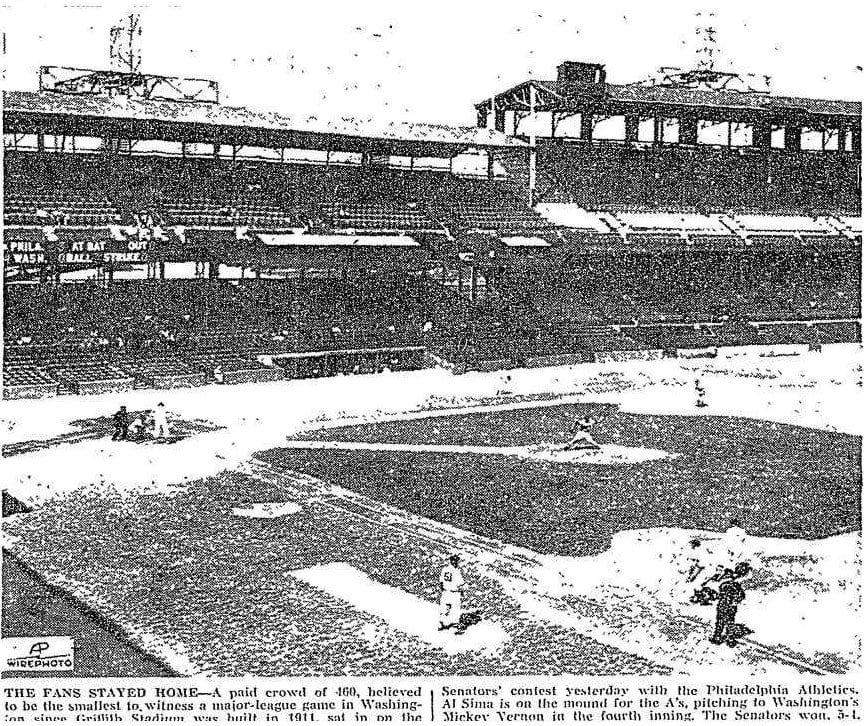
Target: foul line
{"type": "Point", "coordinates": [417, 448]}
{"type": "Point", "coordinates": [381, 514]}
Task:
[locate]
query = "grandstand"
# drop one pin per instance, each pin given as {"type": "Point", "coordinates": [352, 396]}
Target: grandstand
{"type": "Point", "coordinates": [156, 242]}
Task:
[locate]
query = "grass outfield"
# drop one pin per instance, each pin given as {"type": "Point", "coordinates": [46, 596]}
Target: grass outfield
{"type": "Point", "coordinates": [778, 480]}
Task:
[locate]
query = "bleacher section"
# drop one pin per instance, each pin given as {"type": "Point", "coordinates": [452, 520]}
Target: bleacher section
{"type": "Point", "coordinates": [377, 217]}
{"type": "Point", "coordinates": [34, 196]}
{"type": "Point", "coordinates": [208, 193]}
{"type": "Point", "coordinates": [261, 214]}
{"type": "Point", "coordinates": [23, 380]}
{"type": "Point", "coordinates": [89, 374]}
{"type": "Point", "coordinates": [484, 205]}
{"type": "Point", "coordinates": [50, 207]}
{"type": "Point", "coordinates": [708, 179]}
{"type": "Point", "coordinates": [627, 299]}
{"type": "Point", "coordinates": [559, 283]}
{"type": "Point", "coordinates": [163, 372]}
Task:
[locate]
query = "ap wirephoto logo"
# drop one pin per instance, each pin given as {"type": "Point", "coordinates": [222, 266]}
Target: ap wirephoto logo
{"type": "Point", "coordinates": [38, 654]}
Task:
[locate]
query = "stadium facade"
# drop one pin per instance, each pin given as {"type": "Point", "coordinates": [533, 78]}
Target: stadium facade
{"type": "Point", "coordinates": [155, 237]}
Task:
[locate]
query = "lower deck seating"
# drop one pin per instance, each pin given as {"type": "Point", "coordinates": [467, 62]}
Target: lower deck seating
{"type": "Point", "coordinates": [260, 213]}
{"type": "Point", "coordinates": [91, 337]}
{"type": "Point", "coordinates": [229, 368]}
{"type": "Point", "coordinates": [91, 376]}
{"type": "Point", "coordinates": [378, 216]}
{"type": "Point", "coordinates": [26, 380]}
{"type": "Point", "coordinates": [162, 372]}
{"type": "Point", "coordinates": [25, 375]}
{"type": "Point", "coordinates": [489, 205]}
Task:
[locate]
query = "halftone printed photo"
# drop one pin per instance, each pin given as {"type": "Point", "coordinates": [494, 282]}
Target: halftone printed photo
{"type": "Point", "coordinates": [473, 344]}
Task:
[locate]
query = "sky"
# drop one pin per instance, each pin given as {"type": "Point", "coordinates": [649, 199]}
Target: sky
{"type": "Point", "coordinates": [431, 62]}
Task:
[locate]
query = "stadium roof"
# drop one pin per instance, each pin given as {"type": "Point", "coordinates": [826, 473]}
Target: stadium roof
{"type": "Point", "coordinates": [555, 95]}
{"type": "Point", "coordinates": [172, 120]}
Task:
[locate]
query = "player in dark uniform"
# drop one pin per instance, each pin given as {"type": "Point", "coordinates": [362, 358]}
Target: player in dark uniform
{"type": "Point", "coordinates": [121, 425]}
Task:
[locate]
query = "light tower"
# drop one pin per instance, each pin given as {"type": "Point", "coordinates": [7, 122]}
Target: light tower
{"type": "Point", "coordinates": [125, 48]}
{"type": "Point", "coordinates": [705, 74]}
{"type": "Point", "coordinates": [125, 78]}
{"type": "Point", "coordinates": [706, 53]}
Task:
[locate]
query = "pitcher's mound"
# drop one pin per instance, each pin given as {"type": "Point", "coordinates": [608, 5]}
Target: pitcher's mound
{"type": "Point", "coordinates": [605, 454]}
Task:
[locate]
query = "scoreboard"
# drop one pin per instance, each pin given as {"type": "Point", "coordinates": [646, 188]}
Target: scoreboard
{"type": "Point", "coordinates": [34, 247]}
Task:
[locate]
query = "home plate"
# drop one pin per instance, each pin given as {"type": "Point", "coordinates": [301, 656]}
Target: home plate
{"type": "Point", "coordinates": [267, 510]}
{"type": "Point", "coordinates": [398, 609]}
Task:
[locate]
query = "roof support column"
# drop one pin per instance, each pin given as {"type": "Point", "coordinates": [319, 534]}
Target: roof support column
{"type": "Point", "coordinates": [482, 117]}
{"type": "Point", "coordinates": [490, 164]}
{"type": "Point", "coordinates": [500, 119]}
{"type": "Point", "coordinates": [688, 130]}
{"type": "Point", "coordinates": [762, 135]}
{"type": "Point", "coordinates": [631, 127]}
{"type": "Point", "coordinates": [856, 138]}
{"type": "Point", "coordinates": [658, 129]}
{"type": "Point", "coordinates": [586, 126]}
{"type": "Point", "coordinates": [532, 143]}
{"type": "Point", "coordinates": [842, 135]}
{"type": "Point", "coordinates": [792, 137]}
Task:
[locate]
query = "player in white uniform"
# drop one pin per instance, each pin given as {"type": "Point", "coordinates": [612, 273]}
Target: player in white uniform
{"type": "Point", "coordinates": [700, 394]}
{"type": "Point", "coordinates": [160, 422]}
{"type": "Point", "coordinates": [452, 583]}
{"type": "Point", "coordinates": [582, 438]}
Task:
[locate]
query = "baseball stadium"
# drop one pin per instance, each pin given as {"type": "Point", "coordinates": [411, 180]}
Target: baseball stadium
{"type": "Point", "coordinates": [577, 344]}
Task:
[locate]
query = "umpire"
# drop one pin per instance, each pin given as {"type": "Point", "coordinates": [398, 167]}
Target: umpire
{"type": "Point", "coordinates": [730, 595]}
